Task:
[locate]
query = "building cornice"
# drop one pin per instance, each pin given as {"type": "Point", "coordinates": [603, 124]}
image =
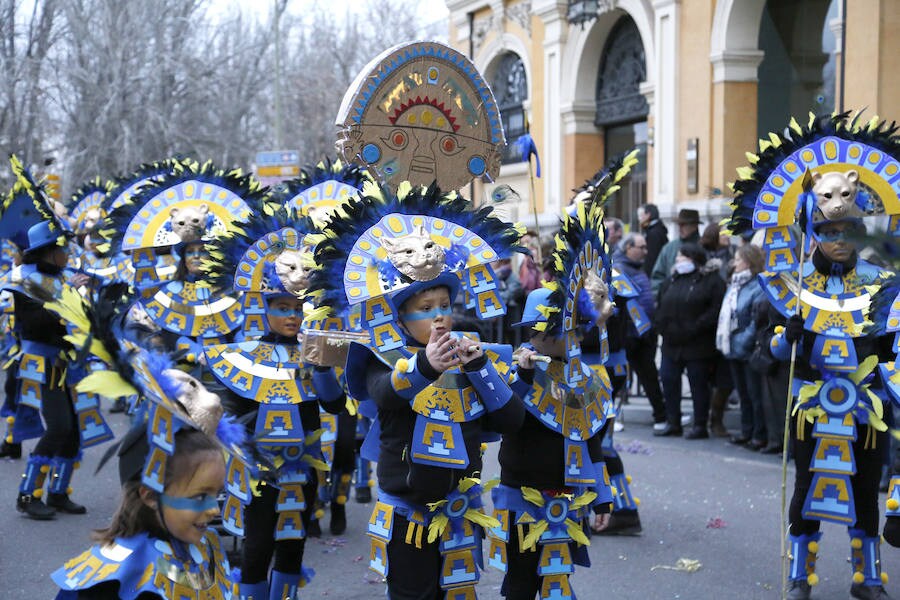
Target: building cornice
{"type": "Point", "coordinates": [736, 65]}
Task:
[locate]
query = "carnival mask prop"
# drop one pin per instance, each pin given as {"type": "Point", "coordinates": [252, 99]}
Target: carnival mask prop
{"type": "Point", "coordinates": [836, 194]}
{"type": "Point", "coordinates": [204, 407]}
{"type": "Point", "coordinates": [290, 266]}
{"type": "Point", "coordinates": [415, 255]}
{"type": "Point", "coordinates": [422, 113]}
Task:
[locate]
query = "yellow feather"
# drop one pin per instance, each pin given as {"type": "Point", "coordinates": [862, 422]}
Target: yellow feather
{"type": "Point", "coordinates": [313, 437]}
{"type": "Point", "coordinates": [775, 139]}
{"type": "Point", "coordinates": [583, 500]}
{"type": "Point", "coordinates": [466, 484]}
{"type": "Point", "coordinates": [315, 463]}
{"type": "Point", "coordinates": [811, 120]}
{"type": "Point", "coordinates": [534, 534]}
{"type": "Point", "coordinates": [795, 127]}
{"type": "Point", "coordinates": [745, 172]}
{"type": "Point", "coordinates": [751, 158]}
{"type": "Point", "coordinates": [404, 189]}
{"type": "Point", "coordinates": [436, 527]}
{"type": "Point", "coordinates": [764, 145]}
{"type": "Point", "coordinates": [532, 495]}
{"type": "Point", "coordinates": [106, 383]}
{"type": "Point", "coordinates": [479, 518]}
{"type": "Point", "coordinates": [576, 533]}
{"type": "Point", "coordinates": [491, 484]}
{"type": "Point", "coordinates": [873, 123]}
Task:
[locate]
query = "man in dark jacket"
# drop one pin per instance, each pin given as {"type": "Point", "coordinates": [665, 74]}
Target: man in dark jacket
{"type": "Point", "coordinates": [689, 303]}
{"type": "Point", "coordinates": [641, 349]}
{"type": "Point", "coordinates": [688, 232]}
{"type": "Point", "coordinates": [654, 231]}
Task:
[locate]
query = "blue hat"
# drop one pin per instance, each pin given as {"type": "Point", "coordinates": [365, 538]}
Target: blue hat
{"type": "Point", "coordinates": [40, 235]}
{"type": "Point", "coordinates": [530, 314]}
{"type": "Point", "coordinates": [447, 279]}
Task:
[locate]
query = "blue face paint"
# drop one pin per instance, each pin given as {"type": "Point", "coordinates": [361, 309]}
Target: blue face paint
{"type": "Point", "coordinates": [196, 254]}
{"type": "Point", "coordinates": [427, 314]}
{"type": "Point", "coordinates": [285, 312]}
{"type": "Point", "coordinates": [833, 235]}
{"type": "Point", "coordinates": [200, 503]}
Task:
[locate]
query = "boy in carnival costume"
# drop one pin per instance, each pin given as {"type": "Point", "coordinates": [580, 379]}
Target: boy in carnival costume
{"type": "Point", "coordinates": [403, 258]}
{"type": "Point", "coordinates": [826, 176]}
{"type": "Point", "coordinates": [272, 386]}
{"type": "Point", "coordinates": [552, 470]}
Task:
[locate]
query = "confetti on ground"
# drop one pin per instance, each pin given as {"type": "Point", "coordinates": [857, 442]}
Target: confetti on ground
{"type": "Point", "coordinates": [682, 564]}
{"type": "Point", "coordinates": [357, 559]}
{"type": "Point", "coordinates": [635, 447]}
{"type": "Point", "coordinates": [715, 523]}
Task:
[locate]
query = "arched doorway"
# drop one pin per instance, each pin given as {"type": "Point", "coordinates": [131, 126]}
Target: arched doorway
{"type": "Point", "coordinates": [510, 86]}
{"type": "Point", "coordinates": [797, 73]}
{"type": "Point", "coordinates": [622, 112]}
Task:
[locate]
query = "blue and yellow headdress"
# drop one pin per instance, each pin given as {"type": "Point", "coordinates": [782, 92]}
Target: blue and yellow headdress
{"type": "Point", "coordinates": [319, 190]}
{"type": "Point", "coordinates": [834, 168]}
{"type": "Point", "coordinates": [380, 247]}
{"type": "Point", "coordinates": [124, 187]}
{"type": "Point", "coordinates": [89, 205]}
{"type": "Point", "coordinates": [26, 205]}
{"type": "Point", "coordinates": [266, 254]}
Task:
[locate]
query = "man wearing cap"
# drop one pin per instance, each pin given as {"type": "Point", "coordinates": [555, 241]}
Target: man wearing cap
{"type": "Point", "coordinates": [688, 231]}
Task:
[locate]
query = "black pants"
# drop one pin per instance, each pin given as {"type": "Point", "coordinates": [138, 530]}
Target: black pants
{"type": "Point", "coordinates": [864, 483]}
{"type": "Point", "coordinates": [413, 573]}
{"type": "Point", "coordinates": [345, 444]}
{"type": "Point", "coordinates": [61, 437]}
{"type": "Point", "coordinates": [260, 519]}
{"type": "Point", "coordinates": [641, 353]}
{"type": "Point", "coordinates": [699, 373]}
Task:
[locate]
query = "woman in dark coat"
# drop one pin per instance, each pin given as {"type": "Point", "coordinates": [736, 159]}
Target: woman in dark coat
{"type": "Point", "coordinates": [689, 302]}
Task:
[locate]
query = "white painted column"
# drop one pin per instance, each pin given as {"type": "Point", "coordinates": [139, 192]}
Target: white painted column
{"type": "Point", "coordinates": [666, 149]}
{"type": "Point", "coordinates": [553, 14]}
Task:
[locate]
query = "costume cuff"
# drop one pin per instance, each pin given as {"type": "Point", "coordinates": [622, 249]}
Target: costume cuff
{"type": "Point", "coordinates": [327, 386]}
{"type": "Point", "coordinates": [780, 347]}
{"type": "Point", "coordinates": [409, 377]}
{"type": "Point", "coordinates": [491, 388]}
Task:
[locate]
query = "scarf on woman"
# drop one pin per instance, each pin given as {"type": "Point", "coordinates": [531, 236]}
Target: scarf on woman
{"type": "Point", "coordinates": [728, 313]}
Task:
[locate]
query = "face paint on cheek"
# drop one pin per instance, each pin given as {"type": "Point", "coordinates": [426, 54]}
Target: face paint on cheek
{"type": "Point", "coordinates": [201, 504]}
{"type": "Point", "coordinates": [427, 314]}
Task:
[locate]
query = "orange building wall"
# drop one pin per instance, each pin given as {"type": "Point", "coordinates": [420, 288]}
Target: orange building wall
{"type": "Point", "coordinates": [694, 94]}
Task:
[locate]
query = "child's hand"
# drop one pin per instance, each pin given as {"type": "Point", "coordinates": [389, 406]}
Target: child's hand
{"type": "Point", "coordinates": [525, 357]}
{"type": "Point", "coordinates": [601, 522]}
{"type": "Point", "coordinates": [469, 350]}
{"type": "Point", "coordinates": [441, 351]}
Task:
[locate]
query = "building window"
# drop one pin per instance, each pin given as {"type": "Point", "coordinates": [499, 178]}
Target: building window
{"type": "Point", "coordinates": [510, 86]}
{"type": "Point", "coordinates": [797, 73]}
{"type": "Point", "coordinates": [622, 70]}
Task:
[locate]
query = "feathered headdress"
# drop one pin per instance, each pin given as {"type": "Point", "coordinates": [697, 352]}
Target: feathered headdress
{"type": "Point", "coordinates": [26, 205]}
{"type": "Point", "coordinates": [266, 254]}
{"type": "Point", "coordinates": [381, 246]}
{"type": "Point", "coordinates": [124, 187]}
{"type": "Point", "coordinates": [774, 190]}
{"type": "Point", "coordinates": [189, 203]}
{"type": "Point", "coordinates": [607, 180]}
{"type": "Point", "coordinates": [321, 189]}
{"type": "Point", "coordinates": [173, 399]}
{"type": "Point", "coordinates": [89, 205]}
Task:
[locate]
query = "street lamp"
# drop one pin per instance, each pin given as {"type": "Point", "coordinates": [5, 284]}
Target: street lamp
{"type": "Point", "coordinates": [582, 11]}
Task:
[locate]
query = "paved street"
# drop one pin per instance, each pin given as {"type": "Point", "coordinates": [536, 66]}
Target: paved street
{"type": "Point", "coordinates": [705, 501]}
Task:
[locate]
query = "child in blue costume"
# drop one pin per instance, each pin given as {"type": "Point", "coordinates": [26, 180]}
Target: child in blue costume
{"type": "Point", "coordinates": [273, 389]}
{"type": "Point", "coordinates": [406, 485]}
{"type": "Point", "coordinates": [436, 394]}
{"type": "Point", "coordinates": [552, 470]}
{"type": "Point", "coordinates": [173, 464]}
{"type": "Point", "coordinates": [167, 532]}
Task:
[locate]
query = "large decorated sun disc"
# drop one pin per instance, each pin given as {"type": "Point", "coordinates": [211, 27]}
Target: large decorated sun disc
{"type": "Point", "coordinates": [421, 112]}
